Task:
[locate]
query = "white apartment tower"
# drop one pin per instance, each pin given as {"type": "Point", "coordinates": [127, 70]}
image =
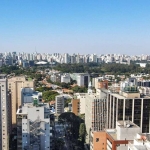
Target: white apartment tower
{"type": "Point", "coordinates": [33, 126]}
{"type": "Point", "coordinates": [5, 114]}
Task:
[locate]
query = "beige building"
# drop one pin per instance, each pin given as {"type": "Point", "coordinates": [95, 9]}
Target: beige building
{"type": "Point", "coordinates": [15, 85]}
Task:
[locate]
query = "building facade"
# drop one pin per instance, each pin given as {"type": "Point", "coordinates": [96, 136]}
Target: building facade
{"type": "Point", "coordinates": [130, 106]}
{"type": "Point", "coordinates": [83, 80]}
{"type": "Point", "coordinates": [5, 117]}
{"type": "Point", "coordinates": [33, 126]}
{"type": "Point", "coordinates": [15, 84]}
{"type": "Point", "coordinates": [95, 112]}
{"type": "Point", "coordinates": [59, 104]}
{"type": "Point", "coordinates": [76, 106]}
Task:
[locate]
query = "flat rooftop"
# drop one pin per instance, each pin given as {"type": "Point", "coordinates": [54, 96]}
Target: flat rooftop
{"type": "Point", "coordinates": [112, 133]}
{"type": "Point", "coordinates": [31, 94]}
{"type": "Point", "coordinates": [123, 97]}
{"type": "Point", "coordinates": [127, 124]}
{"type": "Point", "coordinates": [21, 111]}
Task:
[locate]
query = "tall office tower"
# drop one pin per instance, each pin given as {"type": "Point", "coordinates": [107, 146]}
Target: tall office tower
{"type": "Point", "coordinates": [15, 84]}
{"type": "Point", "coordinates": [95, 112]}
{"type": "Point", "coordinates": [33, 126]}
{"type": "Point", "coordinates": [83, 80]}
{"type": "Point", "coordinates": [128, 105]}
{"type": "Point", "coordinates": [4, 114]}
{"type": "Point", "coordinates": [59, 104]}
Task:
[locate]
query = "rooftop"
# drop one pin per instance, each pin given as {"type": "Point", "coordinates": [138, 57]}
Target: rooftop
{"type": "Point", "coordinates": [126, 124]}
{"type": "Point", "coordinates": [21, 111]}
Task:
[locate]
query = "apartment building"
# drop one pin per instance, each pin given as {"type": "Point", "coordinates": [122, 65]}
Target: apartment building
{"type": "Point", "coordinates": [100, 82]}
{"type": "Point", "coordinates": [15, 84]}
{"type": "Point", "coordinates": [76, 106]}
{"type": "Point", "coordinates": [33, 126]}
{"type": "Point", "coordinates": [5, 117]}
{"type": "Point", "coordinates": [59, 104]}
{"type": "Point", "coordinates": [82, 100]}
{"type": "Point", "coordinates": [95, 112]}
{"type": "Point", "coordinates": [65, 78]}
{"type": "Point", "coordinates": [83, 80]}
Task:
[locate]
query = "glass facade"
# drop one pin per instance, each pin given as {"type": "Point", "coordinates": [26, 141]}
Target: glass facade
{"type": "Point", "coordinates": [137, 111]}
{"type": "Point", "coordinates": [146, 116]}
{"type": "Point", "coordinates": [128, 109]}
{"type": "Point", "coordinates": [120, 109]}
{"type": "Point", "coordinates": [115, 108]}
{"type": "Point", "coordinates": [111, 125]}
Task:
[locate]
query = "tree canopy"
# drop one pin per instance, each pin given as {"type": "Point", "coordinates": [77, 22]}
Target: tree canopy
{"type": "Point", "coordinates": [49, 95]}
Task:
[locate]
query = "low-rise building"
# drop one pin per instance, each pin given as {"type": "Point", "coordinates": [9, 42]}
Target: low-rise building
{"type": "Point", "coordinates": [117, 139]}
{"type": "Point", "coordinates": [141, 142]}
{"type": "Point", "coordinates": [65, 78]}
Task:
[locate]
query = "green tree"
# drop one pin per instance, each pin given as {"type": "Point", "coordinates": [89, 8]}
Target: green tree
{"type": "Point", "coordinates": [59, 143]}
{"type": "Point", "coordinates": [78, 89]}
{"type": "Point", "coordinates": [82, 132]}
{"type": "Point", "coordinates": [49, 95]}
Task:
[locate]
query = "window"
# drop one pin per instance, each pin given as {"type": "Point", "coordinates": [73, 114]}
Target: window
{"type": "Point", "coordinates": [97, 139]}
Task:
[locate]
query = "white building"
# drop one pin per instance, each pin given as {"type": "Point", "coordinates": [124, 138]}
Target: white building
{"type": "Point", "coordinates": [141, 142]}
{"type": "Point", "coordinates": [59, 104]}
{"type": "Point", "coordinates": [33, 126]}
{"type": "Point", "coordinates": [5, 118]}
{"type": "Point", "coordinates": [125, 131]}
{"type": "Point", "coordinates": [28, 95]}
{"type": "Point", "coordinates": [65, 78]}
{"type": "Point", "coordinates": [82, 98]}
{"type": "Point", "coordinates": [83, 80]}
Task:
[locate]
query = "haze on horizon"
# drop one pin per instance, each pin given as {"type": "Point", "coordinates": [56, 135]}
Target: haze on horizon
{"type": "Point", "coordinates": [65, 26]}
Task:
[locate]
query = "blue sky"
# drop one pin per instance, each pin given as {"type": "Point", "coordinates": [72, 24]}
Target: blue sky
{"type": "Point", "coordinates": [75, 26]}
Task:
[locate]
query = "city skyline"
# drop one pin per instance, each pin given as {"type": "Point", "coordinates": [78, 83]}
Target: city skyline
{"type": "Point", "coordinates": [75, 26]}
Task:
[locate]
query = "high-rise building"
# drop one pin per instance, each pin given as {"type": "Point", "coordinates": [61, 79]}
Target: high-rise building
{"type": "Point", "coordinates": [33, 126]}
{"type": "Point", "coordinates": [59, 104]}
{"type": "Point", "coordinates": [76, 106]}
{"type": "Point", "coordinates": [15, 84]}
{"type": "Point", "coordinates": [5, 118]}
{"type": "Point", "coordinates": [128, 105]}
{"type": "Point", "coordinates": [95, 112]}
{"type": "Point", "coordinates": [83, 80]}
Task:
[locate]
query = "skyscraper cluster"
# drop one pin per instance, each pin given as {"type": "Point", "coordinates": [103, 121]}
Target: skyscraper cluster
{"type": "Point", "coordinates": [28, 59]}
